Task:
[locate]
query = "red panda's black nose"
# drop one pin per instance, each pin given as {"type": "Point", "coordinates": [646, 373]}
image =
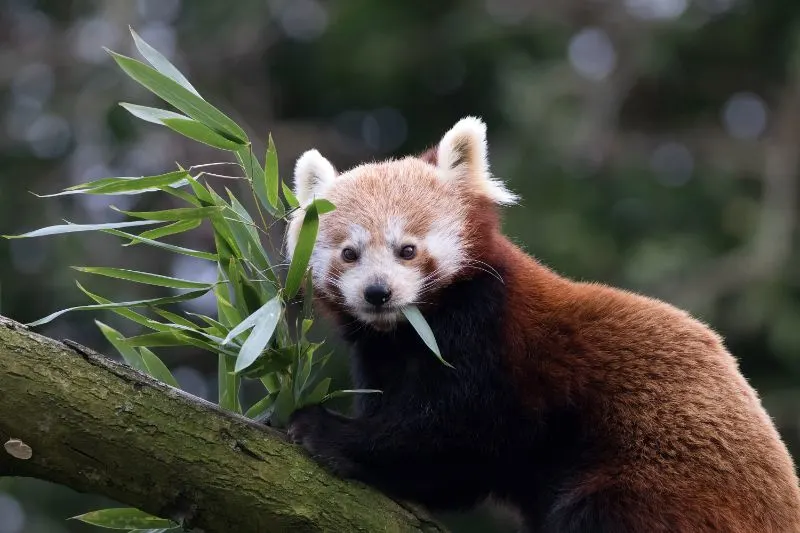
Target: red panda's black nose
{"type": "Point", "coordinates": [377, 294]}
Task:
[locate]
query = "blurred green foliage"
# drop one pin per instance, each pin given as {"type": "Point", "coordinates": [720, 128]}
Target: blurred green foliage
{"type": "Point", "coordinates": [654, 143]}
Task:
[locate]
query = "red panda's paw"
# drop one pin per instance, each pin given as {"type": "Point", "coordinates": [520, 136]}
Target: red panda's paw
{"type": "Point", "coordinates": [305, 422]}
{"type": "Point", "coordinates": [316, 429]}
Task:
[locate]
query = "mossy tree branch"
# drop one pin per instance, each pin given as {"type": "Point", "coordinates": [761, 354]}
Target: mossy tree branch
{"type": "Point", "coordinates": [98, 426]}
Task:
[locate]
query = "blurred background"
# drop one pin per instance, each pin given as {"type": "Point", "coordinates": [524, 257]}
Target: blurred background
{"type": "Point", "coordinates": [655, 144]}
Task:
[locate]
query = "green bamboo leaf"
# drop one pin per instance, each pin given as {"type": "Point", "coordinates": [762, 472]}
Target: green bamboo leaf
{"type": "Point", "coordinates": [420, 325]}
{"type": "Point", "coordinates": [199, 132]}
{"type": "Point", "coordinates": [175, 318]}
{"type": "Point", "coordinates": [157, 368]}
{"type": "Point", "coordinates": [259, 256]}
{"type": "Point", "coordinates": [291, 199]}
{"type": "Point", "coordinates": [218, 327]}
{"type": "Point", "coordinates": [135, 303]}
{"type": "Point", "coordinates": [161, 63]}
{"type": "Point", "coordinates": [261, 409]}
{"type": "Point", "coordinates": [158, 244]}
{"type": "Point", "coordinates": [251, 320]}
{"type": "Point", "coordinates": [185, 196]}
{"type": "Point", "coordinates": [180, 226]}
{"type": "Point", "coordinates": [144, 277]}
{"type": "Point", "coordinates": [158, 339]}
{"type": "Point", "coordinates": [274, 360]}
{"type": "Point", "coordinates": [139, 185]}
{"type": "Point", "coordinates": [271, 173]}
{"type": "Point", "coordinates": [226, 312]}
{"type": "Point", "coordinates": [324, 206]}
{"type": "Point", "coordinates": [124, 518]}
{"type": "Point", "coordinates": [302, 252]}
{"type": "Point", "coordinates": [308, 297]}
{"type": "Point", "coordinates": [228, 384]}
{"type": "Point", "coordinates": [133, 316]}
{"type": "Point", "coordinates": [72, 228]}
{"type": "Point", "coordinates": [255, 173]}
{"type": "Point", "coordinates": [284, 404]}
{"type": "Point", "coordinates": [179, 213]}
{"type": "Point", "coordinates": [261, 335]}
{"type": "Point", "coordinates": [318, 393]}
{"type": "Point", "coordinates": [348, 392]}
{"type": "Point", "coordinates": [150, 114]}
{"type": "Point", "coordinates": [131, 356]}
{"type": "Point", "coordinates": [180, 97]}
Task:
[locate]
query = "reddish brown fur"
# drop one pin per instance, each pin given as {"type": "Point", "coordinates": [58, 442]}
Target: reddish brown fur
{"type": "Point", "coordinates": [666, 398]}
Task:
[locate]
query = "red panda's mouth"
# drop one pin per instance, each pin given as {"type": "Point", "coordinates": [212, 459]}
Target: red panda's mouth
{"type": "Point", "coordinates": [380, 315]}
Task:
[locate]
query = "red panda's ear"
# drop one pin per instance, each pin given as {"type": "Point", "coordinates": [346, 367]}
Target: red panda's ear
{"type": "Point", "coordinates": [313, 175]}
{"type": "Point", "coordinates": [462, 155]}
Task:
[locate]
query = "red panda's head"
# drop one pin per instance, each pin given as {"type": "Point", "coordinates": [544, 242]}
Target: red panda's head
{"type": "Point", "coordinates": [402, 229]}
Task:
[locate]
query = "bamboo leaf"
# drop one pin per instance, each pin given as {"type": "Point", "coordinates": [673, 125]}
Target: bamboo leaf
{"type": "Point", "coordinates": [143, 184]}
{"type": "Point", "coordinates": [150, 114]}
{"type": "Point", "coordinates": [420, 325]}
{"type": "Point", "coordinates": [252, 319]}
{"type": "Point", "coordinates": [157, 368]}
{"type": "Point", "coordinates": [134, 303]}
{"type": "Point", "coordinates": [199, 132]}
{"type": "Point", "coordinates": [260, 410]}
{"type": "Point", "coordinates": [133, 316]}
{"type": "Point", "coordinates": [132, 357]}
{"type": "Point", "coordinates": [180, 97]}
{"type": "Point", "coordinates": [324, 206]}
{"type": "Point", "coordinates": [180, 213]}
{"type": "Point", "coordinates": [170, 247]}
{"type": "Point", "coordinates": [318, 393]}
{"type": "Point", "coordinates": [144, 277]}
{"type": "Point", "coordinates": [228, 384]}
{"type": "Point", "coordinates": [180, 226]}
{"type": "Point", "coordinates": [271, 179]}
{"type": "Point", "coordinates": [124, 518]}
{"type": "Point", "coordinates": [255, 173]}
{"type": "Point", "coordinates": [291, 199]}
{"type": "Point", "coordinates": [302, 252]}
{"type": "Point", "coordinates": [177, 319]}
{"type": "Point", "coordinates": [348, 392]}
{"type": "Point", "coordinates": [158, 339]}
{"type": "Point", "coordinates": [260, 336]}
{"type": "Point", "coordinates": [284, 404]}
{"type": "Point", "coordinates": [161, 63]}
{"type": "Point", "coordinates": [72, 228]}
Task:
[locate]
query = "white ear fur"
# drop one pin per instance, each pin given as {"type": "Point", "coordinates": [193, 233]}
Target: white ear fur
{"type": "Point", "coordinates": [463, 155]}
{"type": "Point", "coordinates": [313, 175]}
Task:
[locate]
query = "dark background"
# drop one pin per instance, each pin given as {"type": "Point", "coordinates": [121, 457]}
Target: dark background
{"type": "Point", "coordinates": [655, 144]}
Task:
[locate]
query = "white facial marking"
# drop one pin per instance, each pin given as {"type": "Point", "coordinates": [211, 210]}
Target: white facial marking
{"type": "Point", "coordinates": [394, 231]}
{"type": "Point", "coordinates": [358, 236]}
{"type": "Point", "coordinates": [444, 244]}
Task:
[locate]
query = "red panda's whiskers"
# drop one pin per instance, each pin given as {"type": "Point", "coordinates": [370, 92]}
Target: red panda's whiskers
{"type": "Point", "coordinates": [494, 271]}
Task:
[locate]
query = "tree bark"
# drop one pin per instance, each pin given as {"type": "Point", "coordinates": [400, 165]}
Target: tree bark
{"type": "Point", "coordinates": [99, 426]}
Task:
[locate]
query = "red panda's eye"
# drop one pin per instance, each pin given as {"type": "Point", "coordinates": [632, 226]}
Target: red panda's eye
{"type": "Point", "coordinates": [349, 255]}
{"type": "Point", "coordinates": [408, 252]}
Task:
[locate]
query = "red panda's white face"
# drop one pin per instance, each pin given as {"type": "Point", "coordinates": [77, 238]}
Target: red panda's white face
{"type": "Point", "coordinates": [401, 228]}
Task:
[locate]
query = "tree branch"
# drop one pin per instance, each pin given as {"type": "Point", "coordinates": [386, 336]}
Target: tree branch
{"type": "Point", "coordinates": [99, 426]}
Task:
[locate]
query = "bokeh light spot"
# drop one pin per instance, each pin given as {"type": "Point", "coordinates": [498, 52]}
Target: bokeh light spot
{"type": "Point", "coordinates": [745, 116]}
{"type": "Point", "coordinates": [592, 54]}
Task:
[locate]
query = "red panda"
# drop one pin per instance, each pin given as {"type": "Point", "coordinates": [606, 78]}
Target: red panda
{"type": "Point", "coordinates": [588, 408]}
